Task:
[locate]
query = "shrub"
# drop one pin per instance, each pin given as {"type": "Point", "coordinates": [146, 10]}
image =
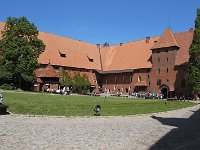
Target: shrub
{"type": "Point", "coordinates": [7, 87]}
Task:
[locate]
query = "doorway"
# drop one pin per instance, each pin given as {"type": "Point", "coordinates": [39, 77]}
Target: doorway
{"type": "Point", "coordinates": [165, 91]}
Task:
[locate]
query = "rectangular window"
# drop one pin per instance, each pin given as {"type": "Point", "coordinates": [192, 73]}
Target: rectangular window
{"type": "Point", "coordinates": [159, 70]}
{"type": "Point", "coordinates": [139, 78]}
{"type": "Point", "coordinates": [131, 78]}
{"type": "Point", "coordinates": [123, 78]}
{"type": "Point", "coordinates": [158, 81]}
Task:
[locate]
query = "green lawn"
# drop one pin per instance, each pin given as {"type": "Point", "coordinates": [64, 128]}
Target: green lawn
{"type": "Point", "coordinates": [63, 105]}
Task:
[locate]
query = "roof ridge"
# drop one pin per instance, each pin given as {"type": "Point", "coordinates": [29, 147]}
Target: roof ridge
{"type": "Point", "coordinates": [134, 41]}
{"type": "Point", "coordinates": [69, 38]}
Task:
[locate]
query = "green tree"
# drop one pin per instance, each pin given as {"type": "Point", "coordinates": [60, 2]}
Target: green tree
{"type": "Point", "coordinates": [4, 75]}
{"type": "Point", "coordinates": [80, 83]}
{"type": "Point", "coordinates": [85, 84]}
{"type": "Point", "coordinates": [194, 61]}
{"type": "Point", "coordinates": [66, 79]}
{"type": "Point", "coordinates": [77, 83]}
{"type": "Point", "coordinates": [20, 48]}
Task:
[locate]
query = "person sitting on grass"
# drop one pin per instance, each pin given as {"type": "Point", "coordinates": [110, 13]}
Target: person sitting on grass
{"type": "Point", "coordinates": [1, 98]}
{"type": "Point", "coordinates": [97, 109]}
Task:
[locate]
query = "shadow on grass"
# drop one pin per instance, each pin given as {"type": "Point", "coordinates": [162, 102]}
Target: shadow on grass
{"type": "Point", "coordinates": [185, 137]}
{"type": "Point", "coordinates": [97, 115]}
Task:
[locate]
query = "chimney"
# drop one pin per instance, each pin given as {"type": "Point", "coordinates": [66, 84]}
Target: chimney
{"type": "Point", "coordinates": [121, 44]}
{"type": "Point", "coordinates": [147, 39]}
{"type": "Point", "coordinates": [106, 44]}
{"type": "Point", "coordinates": [191, 29]}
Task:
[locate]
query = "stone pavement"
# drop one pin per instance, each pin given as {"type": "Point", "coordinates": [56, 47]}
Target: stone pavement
{"type": "Point", "coordinates": [23, 132]}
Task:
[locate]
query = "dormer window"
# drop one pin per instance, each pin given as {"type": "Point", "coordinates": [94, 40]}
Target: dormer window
{"type": "Point", "coordinates": [62, 53]}
{"type": "Point", "coordinates": [90, 57]}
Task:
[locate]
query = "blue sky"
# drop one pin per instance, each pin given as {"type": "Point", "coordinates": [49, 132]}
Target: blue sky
{"type": "Point", "coordinates": [100, 21]}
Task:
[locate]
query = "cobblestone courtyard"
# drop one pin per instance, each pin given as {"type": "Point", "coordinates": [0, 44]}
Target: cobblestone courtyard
{"type": "Point", "coordinates": [20, 132]}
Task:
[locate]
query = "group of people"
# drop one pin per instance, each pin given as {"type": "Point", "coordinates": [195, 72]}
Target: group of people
{"type": "Point", "coordinates": [147, 95]}
{"type": "Point", "coordinates": [1, 98]}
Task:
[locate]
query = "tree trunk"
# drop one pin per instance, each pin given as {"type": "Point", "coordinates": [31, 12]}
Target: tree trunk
{"type": "Point", "coordinates": [19, 84]}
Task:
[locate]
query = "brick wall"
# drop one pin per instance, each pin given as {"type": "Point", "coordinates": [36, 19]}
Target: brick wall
{"type": "Point", "coordinates": [125, 82]}
{"type": "Point", "coordinates": [163, 61]}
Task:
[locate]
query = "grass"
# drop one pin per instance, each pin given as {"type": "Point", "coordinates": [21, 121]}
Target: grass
{"type": "Point", "coordinates": [62, 105]}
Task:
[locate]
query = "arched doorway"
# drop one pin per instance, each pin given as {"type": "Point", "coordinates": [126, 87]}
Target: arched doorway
{"type": "Point", "coordinates": [165, 91]}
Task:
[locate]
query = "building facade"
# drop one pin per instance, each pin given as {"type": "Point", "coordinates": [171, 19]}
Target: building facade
{"type": "Point", "coordinates": [152, 65]}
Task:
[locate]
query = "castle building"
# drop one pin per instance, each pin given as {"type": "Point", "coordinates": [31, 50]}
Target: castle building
{"type": "Point", "coordinates": [154, 64]}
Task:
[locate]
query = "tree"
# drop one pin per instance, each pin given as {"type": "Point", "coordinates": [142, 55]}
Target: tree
{"type": "Point", "coordinates": [20, 48]}
{"type": "Point", "coordinates": [194, 61]}
{"type": "Point", "coordinates": [66, 79]}
{"type": "Point", "coordinates": [77, 82]}
{"type": "Point", "coordinates": [80, 83]}
{"type": "Point", "coordinates": [85, 83]}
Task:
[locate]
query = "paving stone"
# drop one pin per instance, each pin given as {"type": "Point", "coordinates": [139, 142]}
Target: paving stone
{"type": "Point", "coordinates": [85, 133]}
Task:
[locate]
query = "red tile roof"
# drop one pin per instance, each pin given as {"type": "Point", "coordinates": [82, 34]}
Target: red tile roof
{"type": "Point", "coordinates": [132, 55]}
{"type": "Point", "coordinates": [185, 40]}
{"type": "Point", "coordinates": [64, 51]}
{"type": "Point", "coordinates": [47, 72]}
{"type": "Point", "coordinates": [76, 52]}
{"type": "Point", "coordinates": [167, 39]}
